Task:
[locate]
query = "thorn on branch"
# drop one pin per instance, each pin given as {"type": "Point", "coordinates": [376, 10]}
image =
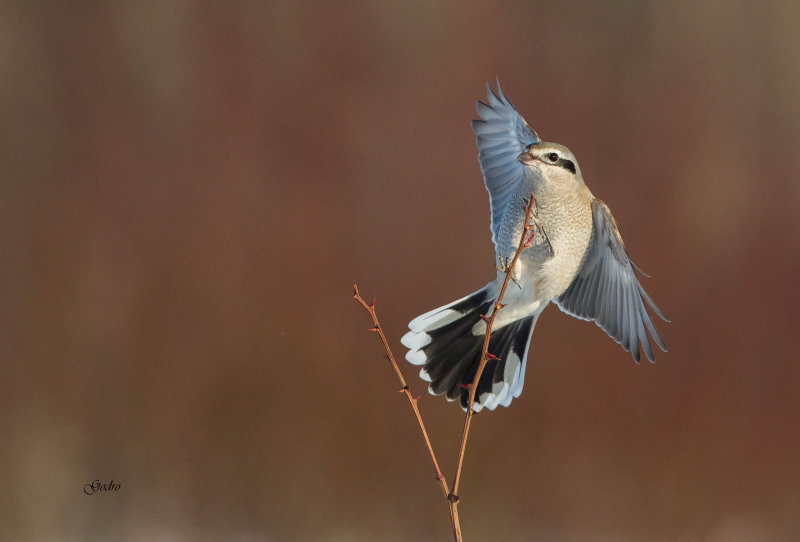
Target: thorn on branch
{"type": "Point", "coordinates": [485, 318]}
{"type": "Point", "coordinates": [413, 402]}
{"type": "Point", "coordinates": [485, 354]}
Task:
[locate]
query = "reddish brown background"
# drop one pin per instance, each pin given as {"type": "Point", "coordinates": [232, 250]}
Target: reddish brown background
{"type": "Point", "coordinates": [188, 194]}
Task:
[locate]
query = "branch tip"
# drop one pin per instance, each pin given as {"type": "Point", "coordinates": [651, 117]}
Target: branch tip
{"type": "Point", "coordinates": [370, 308]}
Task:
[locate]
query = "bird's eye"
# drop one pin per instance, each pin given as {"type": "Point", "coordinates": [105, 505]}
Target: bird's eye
{"type": "Point", "coordinates": [553, 157]}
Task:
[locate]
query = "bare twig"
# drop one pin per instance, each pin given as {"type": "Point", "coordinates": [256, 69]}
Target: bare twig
{"type": "Point", "coordinates": [413, 401]}
{"type": "Point", "coordinates": [485, 355]}
{"type": "Point", "coordinates": [452, 496]}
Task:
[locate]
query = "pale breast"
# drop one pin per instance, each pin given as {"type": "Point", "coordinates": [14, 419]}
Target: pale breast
{"type": "Point", "coordinates": [567, 224]}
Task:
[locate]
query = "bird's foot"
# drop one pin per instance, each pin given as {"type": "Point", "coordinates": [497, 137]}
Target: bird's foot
{"type": "Point", "coordinates": [503, 264]}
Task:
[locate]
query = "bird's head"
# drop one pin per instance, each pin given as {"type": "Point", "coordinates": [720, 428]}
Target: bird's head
{"type": "Point", "coordinates": [555, 162]}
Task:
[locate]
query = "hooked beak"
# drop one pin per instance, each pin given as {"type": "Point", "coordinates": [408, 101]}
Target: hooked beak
{"type": "Point", "coordinates": [528, 159]}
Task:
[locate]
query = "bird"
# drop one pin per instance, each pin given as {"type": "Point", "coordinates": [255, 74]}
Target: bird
{"type": "Point", "coordinates": [576, 260]}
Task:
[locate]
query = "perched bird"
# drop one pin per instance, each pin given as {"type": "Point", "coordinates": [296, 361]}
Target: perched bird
{"type": "Point", "coordinates": [576, 259]}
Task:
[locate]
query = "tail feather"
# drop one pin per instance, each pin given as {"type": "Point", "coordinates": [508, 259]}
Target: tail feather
{"type": "Point", "coordinates": [447, 343]}
{"type": "Point", "coordinates": [446, 370]}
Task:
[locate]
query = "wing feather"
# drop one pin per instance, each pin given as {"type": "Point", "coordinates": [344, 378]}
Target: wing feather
{"type": "Point", "coordinates": [502, 134]}
{"type": "Point", "coordinates": [607, 290]}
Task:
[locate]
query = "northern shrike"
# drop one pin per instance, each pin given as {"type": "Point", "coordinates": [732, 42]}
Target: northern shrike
{"type": "Point", "coordinates": [577, 260]}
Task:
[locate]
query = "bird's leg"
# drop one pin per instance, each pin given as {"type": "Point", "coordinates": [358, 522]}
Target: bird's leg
{"type": "Point", "coordinates": [515, 278]}
{"type": "Point", "coordinates": [543, 234]}
{"type": "Point", "coordinates": [504, 266]}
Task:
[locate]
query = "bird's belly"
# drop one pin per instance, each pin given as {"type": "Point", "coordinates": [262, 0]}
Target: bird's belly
{"type": "Point", "coordinates": [546, 272]}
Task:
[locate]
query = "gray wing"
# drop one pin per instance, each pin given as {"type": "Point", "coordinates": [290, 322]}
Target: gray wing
{"type": "Point", "coordinates": [502, 135]}
{"type": "Point", "coordinates": [607, 291]}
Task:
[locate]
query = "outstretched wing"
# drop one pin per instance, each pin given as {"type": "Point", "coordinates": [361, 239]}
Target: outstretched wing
{"type": "Point", "coordinates": [502, 135]}
{"type": "Point", "coordinates": [607, 291]}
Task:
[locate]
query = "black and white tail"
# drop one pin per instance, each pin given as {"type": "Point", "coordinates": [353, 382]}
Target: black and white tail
{"type": "Point", "coordinates": [447, 342]}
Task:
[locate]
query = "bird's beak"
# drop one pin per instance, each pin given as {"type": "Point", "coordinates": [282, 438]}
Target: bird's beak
{"type": "Point", "coordinates": [528, 159]}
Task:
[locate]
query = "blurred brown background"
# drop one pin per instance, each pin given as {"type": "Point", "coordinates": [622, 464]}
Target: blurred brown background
{"type": "Point", "coordinates": [189, 192]}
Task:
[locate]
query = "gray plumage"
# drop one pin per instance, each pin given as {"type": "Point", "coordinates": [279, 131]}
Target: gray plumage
{"type": "Point", "coordinates": [577, 259]}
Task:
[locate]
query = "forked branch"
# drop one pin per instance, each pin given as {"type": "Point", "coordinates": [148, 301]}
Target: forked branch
{"type": "Point", "coordinates": [452, 496]}
{"type": "Point", "coordinates": [524, 241]}
{"type": "Point", "coordinates": [413, 401]}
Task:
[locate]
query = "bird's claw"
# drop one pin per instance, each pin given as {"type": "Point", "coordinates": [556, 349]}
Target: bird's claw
{"type": "Point", "coordinates": [503, 264]}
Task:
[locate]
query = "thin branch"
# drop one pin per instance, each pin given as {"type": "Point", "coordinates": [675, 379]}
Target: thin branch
{"type": "Point", "coordinates": [524, 241]}
{"type": "Point", "coordinates": [452, 496]}
{"type": "Point", "coordinates": [413, 401]}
